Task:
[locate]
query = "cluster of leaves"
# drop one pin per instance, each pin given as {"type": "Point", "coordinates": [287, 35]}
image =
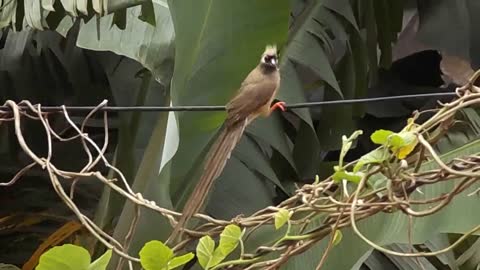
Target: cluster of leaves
{"type": "Point", "coordinates": [210, 257]}
{"type": "Point", "coordinates": [398, 145]}
{"type": "Point", "coordinates": [154, 255]}
{"type": "Point", "coordinates": [72, 257]}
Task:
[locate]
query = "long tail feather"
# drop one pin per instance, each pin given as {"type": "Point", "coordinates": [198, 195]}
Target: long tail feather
{"type": "Point", "coordinates": [216, 161]}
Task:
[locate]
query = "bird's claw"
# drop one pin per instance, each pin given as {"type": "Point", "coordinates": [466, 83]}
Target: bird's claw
{"type": "Point", "coordinates": [281, 105]}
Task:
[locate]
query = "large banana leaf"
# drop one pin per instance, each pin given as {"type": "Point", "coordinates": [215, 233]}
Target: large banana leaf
{"type": "Point", "coordinates": [439, 20]}
{"type": "Point", "coordinates": [143, 147]}
{"type": "Point", "coordinates": [47, 14]}
{"type": "Point", "coordinates": [216, 47]}
{"type": "Point", "coordinates": [150, 45]}
{"type": "Point", "coordinates": [327, 58]}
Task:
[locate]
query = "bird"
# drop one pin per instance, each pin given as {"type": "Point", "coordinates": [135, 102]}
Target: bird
{"type": "Point", "coordinates": [253, 99]}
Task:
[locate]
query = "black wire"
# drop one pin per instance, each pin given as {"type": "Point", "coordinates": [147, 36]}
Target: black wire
{"type": "Point", "coordinates": [368, 100]}
{"type": "Point", "coordinates": [222, 108]}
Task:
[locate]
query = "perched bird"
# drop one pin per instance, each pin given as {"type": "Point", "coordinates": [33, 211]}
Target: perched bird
{"type": "Point", "coordinates": [253, 99]}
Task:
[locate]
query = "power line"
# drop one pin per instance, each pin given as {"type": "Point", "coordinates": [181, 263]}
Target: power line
{"type": "Point", "coordinates": [222, 108]}
{"type": "Point", "coordinates": [368, 100]}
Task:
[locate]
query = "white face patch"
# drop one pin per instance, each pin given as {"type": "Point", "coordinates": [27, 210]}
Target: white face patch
{"type": "Point", "coordinates": [269, 60]}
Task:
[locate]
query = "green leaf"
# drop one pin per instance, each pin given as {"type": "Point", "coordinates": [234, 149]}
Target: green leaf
{"type": "Point", "coordinates": [306, 150]}
{"type": "Point", "coordinates": [381, 136]}
{"type": "Point", "coordinates": [409, 141]}
{"type": "Point", "coordinates": [120, 19]}
{"type": "Point", "coordinates": [249, 152]}
{"type": "Point", "coordinates": [149, 44]}
{"type": "Point", "coordinates": [346, 144]}
{"type": "Point", "coordinates": [205, 249]}
{"type": "Point", "coordinates": [7, 13]}
{"type": "Point", "coordinates": [235, 195]}
{"type": "Point", "coordinates": [441, 16]}
{"type": "Point", "coordinates": [396, 141]}
{"type": "Point", "coordinates": [155, 255]}
{"type": "Point", "coordinates": [148, 13]}
{"type": "Point", "coordinates": [180, 260]}
{"type": "Point", "coordinates": [216, 258]}
{"type": "Point", "coordinates": [401, 143]}
{"type": "Point", "coordinates": [349, 176]}
{"type": "Point", "coordinates": [384, 33]}
{"type": "Point", "coordinates": [311, 47]}
{"type": "Point", "coordinates": [314, 57]}
{"type": "Point", "coordinates": [359, 54]}
{"type": "Point", "coordinates": [460, 216]}
{"type": "Point", "coordinates": [337, 238]}
{"type": "Point", "coordinates": [205, 49]}
{"type": "Point", "coordinates": [376, 156]}
{"type": "Point", "coordinates": [65, 257]}
{"type": "Point", "coordinates": [441, 241]}
{"type": "Point", "coordinates": [344, 8]}
{"type": "Point", "coordinates": [281, 217]}
{"type": "Point", "coordinates": [102, 262]}
{"type": "Point", "coordinates": [367, 10]}
{"type": "Point", "coordinates": [229, 239]}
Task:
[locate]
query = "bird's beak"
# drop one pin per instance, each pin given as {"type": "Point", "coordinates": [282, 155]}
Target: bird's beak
{"type": "Point", "coordinates": [273, 61]}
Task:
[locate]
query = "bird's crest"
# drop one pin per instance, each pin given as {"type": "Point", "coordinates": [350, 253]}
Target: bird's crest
{"type": "Point", "coordinates": [270, 50]}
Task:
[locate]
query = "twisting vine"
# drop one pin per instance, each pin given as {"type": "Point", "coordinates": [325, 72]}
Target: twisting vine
{"type": "Point", "coordinates": [382, 180]}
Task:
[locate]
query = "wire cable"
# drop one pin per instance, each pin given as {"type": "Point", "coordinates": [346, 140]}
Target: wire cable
{"type": "Point", "coordinates": [222, 108]}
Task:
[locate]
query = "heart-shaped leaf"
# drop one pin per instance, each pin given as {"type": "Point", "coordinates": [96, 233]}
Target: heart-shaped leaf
{"type": "Point", "coordinates": [281, 217]}
{"type": "Point", "coordinates": [381, 136]}
{"type": "Point", "coordinates": [229, 239]}
{"type": "Point", "coordinates": [67, 257]}
{"type": "Point", "coordinates": [180, 260]}
{"type": "Point", "coordinates": [155, 255]}
{"type": "Point", "coordinates": [376, 156]}
{"type": "Point", "coordinates": [205, 249]}
{"type": "Point", "coordinates": [102, 262]}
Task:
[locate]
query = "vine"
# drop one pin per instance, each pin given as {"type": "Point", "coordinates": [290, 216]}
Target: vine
{"type": "Point", "coordinates": [380, 181]}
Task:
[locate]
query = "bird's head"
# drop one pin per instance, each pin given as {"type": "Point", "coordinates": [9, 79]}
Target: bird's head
{"type": "Point", "coordinates": [270, 56]}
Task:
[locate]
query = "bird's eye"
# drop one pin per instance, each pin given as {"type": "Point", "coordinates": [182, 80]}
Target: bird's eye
{"type": "Point", "coordinates": [270, 59]}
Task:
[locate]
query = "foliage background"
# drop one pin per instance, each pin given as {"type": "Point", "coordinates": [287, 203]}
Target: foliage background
{"type": "Point", "coordinates": [196, 53]}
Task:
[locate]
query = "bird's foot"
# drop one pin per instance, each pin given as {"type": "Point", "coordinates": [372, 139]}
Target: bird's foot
{"type": "Point", "coordinates": [281, 105]}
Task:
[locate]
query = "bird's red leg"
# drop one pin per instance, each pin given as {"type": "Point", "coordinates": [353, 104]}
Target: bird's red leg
{"type": "Point", "coordinates": [280, 105]}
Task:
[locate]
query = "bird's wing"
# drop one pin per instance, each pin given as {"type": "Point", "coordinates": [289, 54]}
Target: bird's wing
{"type": "Point", "coordinates": [250, 100]}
